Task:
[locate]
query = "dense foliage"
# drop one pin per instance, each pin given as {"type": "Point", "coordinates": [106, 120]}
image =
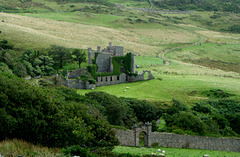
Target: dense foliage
{"type": "Point", "coordinates": [38, 62]}
{"type": "Point", "coordinates": [122, 64]}
{"type": "Point", "coordinates": [51, 117]}
{"type": "Point", "coordinates": [124, 111]}
{"type": "Point", "coordinates": [213, 117]}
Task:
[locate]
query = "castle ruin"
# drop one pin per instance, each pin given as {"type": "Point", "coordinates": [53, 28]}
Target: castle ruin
{"type": "Point", "coordinates": [111, 67]}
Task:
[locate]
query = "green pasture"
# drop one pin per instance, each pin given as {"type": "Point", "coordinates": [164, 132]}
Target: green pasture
{"type": "Point", "coordinates": [212, 55]}
{"type": "Point", "coordinates": [175, 81]}
{"type": "Point", "coordinates": [175, 152]}
{"type": "Point", "coordinates": [172, 87]}
{"type": "Point", "coordinates": [213, 51]}
{"type": "Point", "coordinates": [144, 61]}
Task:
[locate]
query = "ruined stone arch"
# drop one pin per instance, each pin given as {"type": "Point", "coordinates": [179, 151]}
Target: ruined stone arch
{"type": "Point", "coordinates": [150, 76]}
{"type": "Point", "coordinates": [146, 130]}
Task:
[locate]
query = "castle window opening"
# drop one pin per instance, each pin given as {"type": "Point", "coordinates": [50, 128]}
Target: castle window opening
{"type": "Point", "coordinates": [118, 78]}
{"type": "Point", "coordinates": [101, 79]}
{"type": "Point", "coordinates": [111, 78]}
{"type": "Point", "coordinates": [106, 78]}
{"type": "Point", "coordinates": [122, 69]}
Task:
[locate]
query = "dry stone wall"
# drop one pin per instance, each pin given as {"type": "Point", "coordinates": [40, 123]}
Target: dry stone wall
{"type": "Point", "coordinates": [130, 138]}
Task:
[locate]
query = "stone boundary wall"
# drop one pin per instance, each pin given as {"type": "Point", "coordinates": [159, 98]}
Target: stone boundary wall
{"type": "Point", "coordinates": [195, 142]}
{"type": "Point", "coordinates": [128, 138]}
{"type": "Point", "coordinates": [125, 137]}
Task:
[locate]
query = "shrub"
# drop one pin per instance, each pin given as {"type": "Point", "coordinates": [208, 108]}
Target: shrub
{"type": "Point", "coordinates": [176, 107]}
{"type": "Point", "coordinates": [114, 109]}
{"type": "Point", "coordinates": [145, 111]}
{"type": "Point", "coordinates": [235, 122]}
{"type": "Point", "coordinates": [234, 28]}
{"type": "Point", "coordinates": [186, 121]}
{"type": "Point", "coordinates": [78, 151]}
{"type": "Point", "coordinates": [199, 107]}
{"type": "Point", "coordinates": [178, 131]}
{"type": "Point", "coordinates": [5, 44]}
{"type": "Point", "coordinates": [228, 131]}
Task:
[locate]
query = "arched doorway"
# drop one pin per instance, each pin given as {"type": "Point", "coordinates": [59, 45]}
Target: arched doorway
{"type": "Point", "coordinates": [143, 139]}
{"type": "Point", "coordinates": [146, 76]}
{"type": "Point", "coordinates": [142, 134]}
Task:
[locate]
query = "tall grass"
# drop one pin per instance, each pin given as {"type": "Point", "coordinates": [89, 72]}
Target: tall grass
{"type": "Point", "coordinates": [14, 148]}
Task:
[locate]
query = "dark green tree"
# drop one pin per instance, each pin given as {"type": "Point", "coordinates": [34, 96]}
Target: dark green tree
{"type": "Point", "coordinates": [110, 106]}
{"type": "Point", "coordinates": [80, 56]}
{"type": "Point", "coordinates": [145, 111]}
{"type": "Point", "coordinates": [4, 44]}
{"type": "Point", "coordinates": [45, 64]}
{"type": "Point", "coordinates": [19, 70]}
{"type": "Point", "coordinates": [177, 106]}
{"type": "Point", "coordinates": [235, 122]}
{"type": "Point", "coordinates": [187, 121]}
{"type": "Point", "coordinates": [7, 58]}
{"type": "Point", "coordinates": [60, 55]}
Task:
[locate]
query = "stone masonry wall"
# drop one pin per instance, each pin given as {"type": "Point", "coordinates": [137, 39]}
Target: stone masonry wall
{"type": "Point", "coordinates": [195, 142]}
{"type": "Point", "coordinates": [103, 62]}
{"type": "Point", "coordinates": [127, 138]}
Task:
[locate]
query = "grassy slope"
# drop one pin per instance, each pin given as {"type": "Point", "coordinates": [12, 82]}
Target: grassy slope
{"type": "Point", "coordinates": [175, 152]}
{"type": "Point", "coordinates": [179, 34]}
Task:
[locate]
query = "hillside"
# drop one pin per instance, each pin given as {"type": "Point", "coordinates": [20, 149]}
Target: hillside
{"type": "Point", "coordinates": [186, 42]}
{"type": "Point", "coordinates": [191, 47]}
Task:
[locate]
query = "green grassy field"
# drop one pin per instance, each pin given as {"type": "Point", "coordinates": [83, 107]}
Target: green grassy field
{"type": "Point", "coordinates": [175, 152]}
{"type": "Point", "coordinates": [172, 87]}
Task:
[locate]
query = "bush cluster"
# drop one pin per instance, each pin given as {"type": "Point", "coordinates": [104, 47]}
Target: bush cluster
{"type": "Point", "coordinates": [35, 63]}
{"type": "Point", "coordinates": [123, 111]}
{"type": "Point", "coordinates": [51, 117]}
{"type": "Point", "coordinates": [213, 117]}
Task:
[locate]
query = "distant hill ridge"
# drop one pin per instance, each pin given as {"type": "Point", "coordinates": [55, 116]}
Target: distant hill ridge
{"type": "Point", "coordinates": [183, 5]}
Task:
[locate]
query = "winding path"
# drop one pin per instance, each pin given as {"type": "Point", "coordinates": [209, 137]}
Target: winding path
{"type": "Point", "coordinates": [150, 4]}
{"type": "Point", "coordinates": [167, 61]}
